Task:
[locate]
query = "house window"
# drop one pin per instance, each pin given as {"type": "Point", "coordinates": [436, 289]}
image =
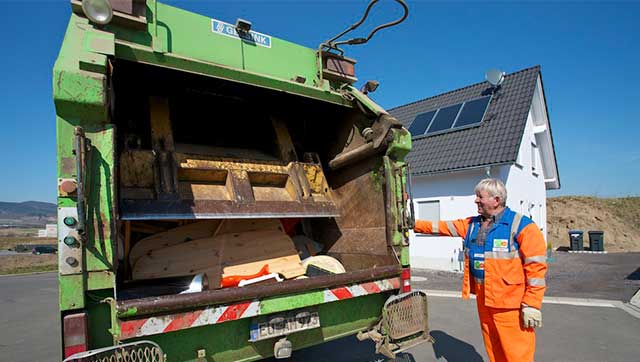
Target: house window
{"type": "Point", "coordinates": [429, 210]}
{"type": "Point", "coordinates": [441, 120]}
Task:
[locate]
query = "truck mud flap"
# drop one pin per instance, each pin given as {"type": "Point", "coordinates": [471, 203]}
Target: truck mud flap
{"type": "Point", "coordinates": [142, 351]}
{"type": "Point", "coordinates": [404, 324]}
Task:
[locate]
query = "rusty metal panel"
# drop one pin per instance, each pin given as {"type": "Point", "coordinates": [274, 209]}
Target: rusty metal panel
{"type": "Point", "coordinates": [202, 191]}
{"type": "Point", "coordinates": [285, 145]}
{"type": "Point", "coordinates": [219, 188]}
{"type": "Point", "coordinates": [136, 169]}
{"type": "Point", "coordinates": [137, 193]}
{"type": "Point", "coordinates": [218, 177]}
{"type": "Point", "coordinates": [265, 193]}
{"type": "Point", "coordinates": [146, 306]}
{"type": "Point", "coordinates": [215, 209]}
{"type": "Point", "coordinates": [238, 185]}
{"type": "Point", "coordinates": [371, 241]}
{"type": "Point", "coordinates": [361, 202]}
{"type": "Point", "coordinates": [161, 133]}
{"type": "Point", "coordinates": [361, 227]}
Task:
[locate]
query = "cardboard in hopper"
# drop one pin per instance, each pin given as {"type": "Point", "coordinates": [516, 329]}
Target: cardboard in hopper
{"type": "Point", "coordinates": [181, 234]}
{"type": "Point", "coordinates": [240, 247]}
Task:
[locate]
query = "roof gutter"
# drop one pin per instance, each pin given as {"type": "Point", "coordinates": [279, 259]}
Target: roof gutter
{"type": "Point", "coordinates": [470, 168]}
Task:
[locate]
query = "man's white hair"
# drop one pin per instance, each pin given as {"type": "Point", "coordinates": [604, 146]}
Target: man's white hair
{"type": "Point", "coordinates": [494, 187]}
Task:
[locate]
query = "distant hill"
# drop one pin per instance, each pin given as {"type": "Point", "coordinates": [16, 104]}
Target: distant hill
{"type": "Point", "coordinates": [619, 218]}
{"type": "Point", "coordinates": [28, 212]}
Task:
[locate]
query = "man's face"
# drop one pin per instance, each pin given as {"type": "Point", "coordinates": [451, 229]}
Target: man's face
{"type": "Point", "coordinates": [487, 205]}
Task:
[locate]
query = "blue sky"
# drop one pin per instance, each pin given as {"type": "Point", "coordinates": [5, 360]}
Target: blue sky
{"type": "Point", "coordinates": [589, 53]}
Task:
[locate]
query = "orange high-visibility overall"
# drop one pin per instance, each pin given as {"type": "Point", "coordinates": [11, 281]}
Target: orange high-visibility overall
{"type": "Point", "coordinates": [513, 270]}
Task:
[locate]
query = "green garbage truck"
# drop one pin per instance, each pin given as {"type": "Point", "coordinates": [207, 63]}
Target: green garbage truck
{"type": "Point", "coordinates": [224, 195]}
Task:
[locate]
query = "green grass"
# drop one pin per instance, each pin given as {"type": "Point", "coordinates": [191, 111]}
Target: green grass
{"type": "Point", "coordinates": [19, 232]}
{"type": "Point", "coordinates": [30, 269]}
{"type": "Point", "coordinates": [11, 242]}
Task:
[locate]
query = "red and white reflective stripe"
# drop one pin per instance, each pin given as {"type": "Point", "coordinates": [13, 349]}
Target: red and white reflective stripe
{"type": "Point", "coordinates": [356, 290]}
{"type": "Point", "coordinates": [213, 315]}
{"type": "Point", "coordinates": [175, 322]}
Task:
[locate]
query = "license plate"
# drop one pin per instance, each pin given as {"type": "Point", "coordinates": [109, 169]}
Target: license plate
{"type": "Point", "coordinates": [281, 324]}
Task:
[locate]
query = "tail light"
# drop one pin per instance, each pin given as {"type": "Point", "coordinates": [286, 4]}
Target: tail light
{"type": "Point", "coordinates": [405, 280]}
{"type": "Point", "coordinates": [74, 332]}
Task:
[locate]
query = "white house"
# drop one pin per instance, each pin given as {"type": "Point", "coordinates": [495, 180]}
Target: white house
{"type": "Point", "coordinates": [49, 231]}
{"type": "Point", "coordinates": [468, 134]}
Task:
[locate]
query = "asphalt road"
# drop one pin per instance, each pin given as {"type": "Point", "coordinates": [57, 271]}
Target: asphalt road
{"type": "Point", "coordinates": [29, 324]}
{"type": "Point", "coordinates": [30, 331]}
{"type": "Point", "coordinates": [614, 276]}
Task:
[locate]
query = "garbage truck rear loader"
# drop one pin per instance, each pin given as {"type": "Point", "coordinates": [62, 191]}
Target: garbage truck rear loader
{"type": "Point", "coordinates": [223, 195]}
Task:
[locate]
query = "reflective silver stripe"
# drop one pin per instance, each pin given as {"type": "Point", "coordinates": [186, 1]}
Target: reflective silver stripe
{"type": "Point", "coordinates": [536, 282]}
{"type": "Point", "coordinates": [452, 229]}
{"type": "Point", "coordinates": [535, 259]}
{"type": "Point", "coordinates": [501, 255]}
{"type": "Point", "coordinates": [514, 226]}
{"type": "Point", "coordinates": [478, 280]}
{"type": "Point", "coordinates": [434, 228]}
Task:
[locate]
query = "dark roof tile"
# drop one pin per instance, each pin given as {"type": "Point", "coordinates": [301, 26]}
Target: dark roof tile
{"type": "Point", "coordinates": [495, 140]}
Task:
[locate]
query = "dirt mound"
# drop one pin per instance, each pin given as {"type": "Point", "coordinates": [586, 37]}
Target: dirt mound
{"type": "Point", "coordinates": [619, 218]}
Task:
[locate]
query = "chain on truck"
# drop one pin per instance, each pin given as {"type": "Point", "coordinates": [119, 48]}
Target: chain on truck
{"type": "Point", "coordinates": [224, 195]}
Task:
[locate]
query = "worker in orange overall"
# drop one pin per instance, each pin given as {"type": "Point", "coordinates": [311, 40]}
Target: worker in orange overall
{"type": "Point", "coordinates": [504, 266]}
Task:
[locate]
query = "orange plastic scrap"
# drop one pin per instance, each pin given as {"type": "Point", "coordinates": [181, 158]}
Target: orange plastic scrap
{"type": "Point", "coordinates": [233, 280]}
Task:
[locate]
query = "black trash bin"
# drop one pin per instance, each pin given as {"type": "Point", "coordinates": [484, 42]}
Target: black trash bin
{"type": "Point", "coordinates": [575, 240]}
{"type": "Point", "coordinates": [596, 240]}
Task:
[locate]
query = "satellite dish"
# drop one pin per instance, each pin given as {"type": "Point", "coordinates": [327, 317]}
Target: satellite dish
{"type": "Point", "coordinates": [495, 77]}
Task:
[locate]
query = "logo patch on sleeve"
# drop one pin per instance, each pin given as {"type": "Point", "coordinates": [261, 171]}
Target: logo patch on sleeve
{"type": "Point", "coordinates": [478, 264]}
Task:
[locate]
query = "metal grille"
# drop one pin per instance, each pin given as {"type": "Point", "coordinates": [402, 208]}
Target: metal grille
{"type": "Point", "coordinates": [144, 351]}
{"type": "Point", "coordinates": [405, 315]}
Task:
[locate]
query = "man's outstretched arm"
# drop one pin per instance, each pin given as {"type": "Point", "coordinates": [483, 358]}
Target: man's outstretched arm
{"type": "Point", "coordinates": [443, 228]}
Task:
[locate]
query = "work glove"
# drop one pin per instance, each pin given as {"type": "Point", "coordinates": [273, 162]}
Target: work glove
{"type": "Point", "coordinates": [531, 317]}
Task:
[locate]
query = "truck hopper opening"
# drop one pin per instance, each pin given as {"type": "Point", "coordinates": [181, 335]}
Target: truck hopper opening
{"type": "Point", "coordinates": [249, 167]}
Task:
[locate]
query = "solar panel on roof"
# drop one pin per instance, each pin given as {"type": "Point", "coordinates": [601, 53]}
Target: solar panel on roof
{"type": "Point", "coordinates": [420, 123]}
{"type": "Point", "coordinates": [444, 119]}
{"type": "Point", "coordinates": [472, 112]}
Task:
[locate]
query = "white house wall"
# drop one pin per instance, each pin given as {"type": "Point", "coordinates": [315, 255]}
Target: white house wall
{"type": "Point", "coordinates": [526, 190]}
{"type": "Point", "coordinates": [543, 138]}
{"type": "Point", "coordinates": [526, 193]}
